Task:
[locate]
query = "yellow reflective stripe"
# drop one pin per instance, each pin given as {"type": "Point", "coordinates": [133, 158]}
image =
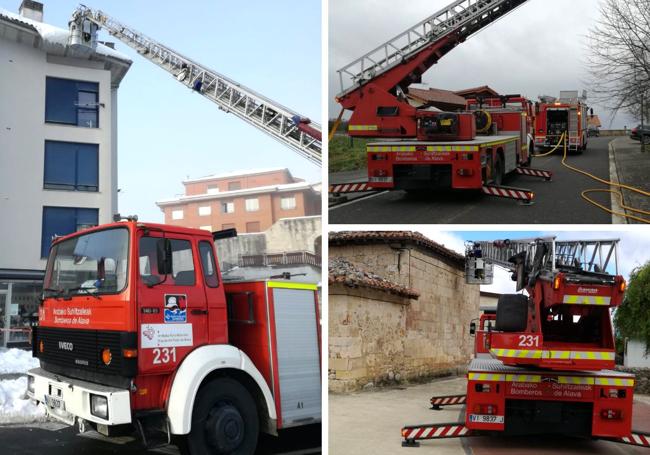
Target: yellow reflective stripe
{"type": "Point", "coordinates": [363, 128]}
{"type": "Point", "coordinates": [284, 285]}
{"type": "Point", "coordinates": [586, 300]}
{"type": "Point", "coordinates": [486, 377]}
{"type": "Point", "coordinates": [523, 378]}
{"type": "Point", "coordinates": [557, 355]}
{"type": "Point", "coordinates": [491, 144]}
{"type": "Point", "coordinates": [592, 355]}
{"type": "Point", "coordinates": [615, 381]}
{"type": "Point", "coordinates": [575, 380]}
{"type": "Point", "coordinates": [517, 353]}
{"type": "Point", "coordinates": [552, 354]}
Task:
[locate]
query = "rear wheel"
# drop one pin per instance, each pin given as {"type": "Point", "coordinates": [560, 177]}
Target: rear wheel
{"type": "Point", "coordinates": [224, 420]}
{"type": "Point", "coordinates": [512, 313]}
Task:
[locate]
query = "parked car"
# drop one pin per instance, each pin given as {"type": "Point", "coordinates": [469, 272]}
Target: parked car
{"type": "Point", "coordinates": [637, 132]}
{"type": "Point", "coordinates": [593, 131]}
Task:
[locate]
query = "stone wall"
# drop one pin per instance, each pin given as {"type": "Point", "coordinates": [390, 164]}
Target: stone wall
{"type": "Point", "coordinates": [642, 378]}
{"type": "Point", "coordinates": [373, 338]}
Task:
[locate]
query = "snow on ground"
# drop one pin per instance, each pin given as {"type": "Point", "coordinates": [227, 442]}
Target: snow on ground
{"type": "Point", "coordinates": [13, 408]}
{"type": "Point", "coordinates": [17, 361]}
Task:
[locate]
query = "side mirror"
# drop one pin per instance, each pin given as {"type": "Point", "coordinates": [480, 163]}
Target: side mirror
{"type": "Point", "coordinates": [472, 328]}
{"type": "Point", "coordinates": [164, 256]}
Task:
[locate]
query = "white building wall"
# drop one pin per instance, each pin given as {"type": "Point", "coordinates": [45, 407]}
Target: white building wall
{"type": "Point", "coordinates": [635, 355]}
{"type": "Point", "coordinates": [23, 132]}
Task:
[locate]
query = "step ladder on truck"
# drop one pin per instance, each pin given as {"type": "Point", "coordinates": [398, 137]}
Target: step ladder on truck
{"type": "Point", "coordinates": [544, 360]}
{"type": "Point", "coordinates": [418, 149]}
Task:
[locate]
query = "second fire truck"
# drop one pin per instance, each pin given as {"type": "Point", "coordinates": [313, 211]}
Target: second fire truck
{"type": "Point", "coordinates": [567, 114]}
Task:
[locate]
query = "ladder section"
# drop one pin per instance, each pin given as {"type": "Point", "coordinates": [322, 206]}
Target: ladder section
{"type": "Point", "coordinates": [281, 123]}
{"type": "Point", "coordinates": [499, 252]}
{"type": "Point", "coordinates": [465, 17]}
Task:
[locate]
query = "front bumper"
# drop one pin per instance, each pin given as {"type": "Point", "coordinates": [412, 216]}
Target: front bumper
{"type": "Point", "coordinates": [68, 400]}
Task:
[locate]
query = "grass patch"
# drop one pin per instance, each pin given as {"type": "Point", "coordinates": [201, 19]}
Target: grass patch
{"type": "Point", "coordinates": [347, 154]}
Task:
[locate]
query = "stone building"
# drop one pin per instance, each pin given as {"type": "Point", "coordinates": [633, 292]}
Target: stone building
{"type": "Point", "coordinates": [408, 320]}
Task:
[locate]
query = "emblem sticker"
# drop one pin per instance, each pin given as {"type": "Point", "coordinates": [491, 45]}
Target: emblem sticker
{"type": "Point", "coordinates": [175, 308]}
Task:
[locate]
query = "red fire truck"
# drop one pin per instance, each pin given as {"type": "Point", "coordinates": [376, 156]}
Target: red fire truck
{"type": "Point", "coordinates": [138, 331]}
{"type": "Point", "coordinates": [551, 351]}
{"type": "Point", "coordinates": [556, 116]}
{"type": "Point", "coordinates": [419, 149]}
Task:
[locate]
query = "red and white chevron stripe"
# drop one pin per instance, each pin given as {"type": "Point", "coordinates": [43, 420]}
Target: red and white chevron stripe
{"type": "Point", "coordinates": [445, 430]}
{"type": "Point", "coordinates": [449, 400]}
{"type": "Point", "coordinates": [510, 193]}
{"type": "Point", "coordinates": [534, 172]}
{"type": "Point", "coordinates": [349, 188]}
{"type": "Point", "coordinates": [637, 439]}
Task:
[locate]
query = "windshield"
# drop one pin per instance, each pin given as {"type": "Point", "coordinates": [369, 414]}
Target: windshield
{"type": "Point", "coordinates": [92, 263]}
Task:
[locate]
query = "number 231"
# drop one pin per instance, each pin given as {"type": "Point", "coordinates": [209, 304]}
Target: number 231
{"type": "Point", "coordinates": [528, 340]}
{"type": "Point", "coordinates": [164, 355]}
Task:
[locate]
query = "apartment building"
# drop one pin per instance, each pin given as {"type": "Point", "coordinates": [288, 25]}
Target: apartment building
{"type": "Point", "coordinates": [58, 146]}
{"type": "Point", "coordinates": [250, 201]}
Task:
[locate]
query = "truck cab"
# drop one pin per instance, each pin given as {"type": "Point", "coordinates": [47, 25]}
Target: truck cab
{"type": "Point", "coordinates": [138, 331]}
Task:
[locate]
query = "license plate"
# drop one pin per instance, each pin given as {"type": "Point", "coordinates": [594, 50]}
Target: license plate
{"type": "Point", "coordinates": [381, 179]}
{"type": "Point", "coordinates": [485, 418]}
{"type": "Point", "coordinates": [54, 402]}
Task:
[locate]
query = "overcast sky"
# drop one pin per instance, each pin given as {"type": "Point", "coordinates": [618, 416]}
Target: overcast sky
{"type": "Point", "coordinates": [539, 49]}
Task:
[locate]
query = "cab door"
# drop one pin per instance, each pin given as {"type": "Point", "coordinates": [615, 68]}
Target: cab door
{"type": "Point", "coordinates": [172, 309]}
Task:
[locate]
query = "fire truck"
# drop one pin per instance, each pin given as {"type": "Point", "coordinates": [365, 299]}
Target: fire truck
{"type": "Point", "coordinates": [418, 149]}
{"type": "Point", "coordinates": [136, 328]}
{"type": "Point", "coordinates": [138, 331]}
{"type": "Point", "coordinates": [556, 116]}
{"type": "Point", "coordinates": [544, 358]}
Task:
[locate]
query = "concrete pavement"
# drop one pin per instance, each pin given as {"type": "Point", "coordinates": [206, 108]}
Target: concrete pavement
{"type": "Point", "coordinates": [370, 422]}
{"type": "Point", "coordinates": [633, 169]}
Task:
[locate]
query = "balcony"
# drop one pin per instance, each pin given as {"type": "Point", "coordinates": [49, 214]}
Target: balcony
{"type": "Point", "coordinates": [278, 259]}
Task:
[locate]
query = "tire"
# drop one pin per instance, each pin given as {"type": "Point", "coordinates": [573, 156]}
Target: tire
{"type": "Point", "coordinates": [498, 171]}
{"type": "Point", "coordinates": [224, 421]}
{"type": "Point", "coordinates": [512, 313]}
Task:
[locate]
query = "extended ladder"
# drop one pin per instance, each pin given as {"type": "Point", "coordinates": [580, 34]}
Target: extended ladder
{"type": "Point", "coordinates": [281, 123]}
{"type": "Point", "coordinates": [463, 17]}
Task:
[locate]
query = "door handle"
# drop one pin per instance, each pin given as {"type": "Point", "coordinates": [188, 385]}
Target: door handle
{"type": "Point", "coordinates": [199, 312]}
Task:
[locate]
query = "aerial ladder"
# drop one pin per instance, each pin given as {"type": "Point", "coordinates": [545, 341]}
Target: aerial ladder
{"type": "Point", "coordinates": [281, 123]}
{"type": "Point", "coordinates": [550, 368]}
{"type": "Point", "coordinates": [375, 89]}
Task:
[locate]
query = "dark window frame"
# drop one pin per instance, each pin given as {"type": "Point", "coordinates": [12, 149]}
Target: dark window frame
{"type": "Point", "coordinates": [76, 186]}
{"type": "Point", "coordinates": [206, 278]}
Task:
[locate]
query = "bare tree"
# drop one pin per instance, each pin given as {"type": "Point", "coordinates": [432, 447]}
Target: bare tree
{"type": "Point", "coordinates": [619, 60]}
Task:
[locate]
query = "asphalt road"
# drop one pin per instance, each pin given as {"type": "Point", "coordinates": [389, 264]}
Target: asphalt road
{"type": "Point", "coordinates": [556, 202]}
{"type": "Point", "coordinates": [370, 422]}
{"type": "Point", "coordinates": [53, 439]}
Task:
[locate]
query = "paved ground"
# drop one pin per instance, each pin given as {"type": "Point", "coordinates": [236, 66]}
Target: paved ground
{"type": "Point", "coordinates": [557, 202]}
{"type": "Point", "coordinates": [54, 439]}
{"type": "Point", "coordinates": [633, 168]}
{"type": "Point", "coordinates": [370, 422]}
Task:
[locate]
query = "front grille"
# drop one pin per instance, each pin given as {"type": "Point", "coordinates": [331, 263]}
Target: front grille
{"type": "Point", "coordinates": [80, 351]}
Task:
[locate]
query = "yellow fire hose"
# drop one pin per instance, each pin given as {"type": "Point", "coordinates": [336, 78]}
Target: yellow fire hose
{"type": "Point", "coordinates": [617, 193]}
{"type": "Point", "coordinates": [336, 125]}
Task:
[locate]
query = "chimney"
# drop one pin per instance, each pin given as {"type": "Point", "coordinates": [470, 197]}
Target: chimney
{"type": "Point", "coordinates": [31, 10]}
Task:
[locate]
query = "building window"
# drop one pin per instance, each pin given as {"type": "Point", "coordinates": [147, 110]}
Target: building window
{"type": "Point", "coordinates": [71, 166]}
{"type": "Point", "coordinates": [206, 228]}
{"type": "Point", "coordinates": [72, 102]}
{"type": "Point", "coordinates": [252, 205]}
{"type": "Point", "coordinates": [228, 226]}
{"type": "Point", "coordinates": [213, 189]}
{"type": "Point", "coordinates": [59, 221]}
{"type": "Point", "coordinates": [228, 207]}
{"type": "Point", "coordinates": [205, 210]}
{"type": "Point", "coordinates": [234, 186]}
{"type": "Point", "coordinates": [253, 226]}
{"type": "Point", "coordinates": [177, 214]}
{"type": "Point", "coordinates": [288, 203]}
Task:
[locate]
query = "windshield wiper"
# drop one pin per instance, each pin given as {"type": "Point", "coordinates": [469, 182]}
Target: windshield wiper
{"type": "Point", "coordinates": [57, 292]}
{"type": "Point", "coordinates": [87, 291]}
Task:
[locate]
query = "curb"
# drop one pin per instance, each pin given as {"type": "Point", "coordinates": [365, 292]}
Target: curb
{"type": "Point", "coordinates": [613, 176]}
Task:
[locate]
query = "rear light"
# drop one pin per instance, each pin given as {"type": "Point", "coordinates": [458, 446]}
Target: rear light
{"type": "Point", "coordinates": [129, 353]}
{"type": "Point", "coordinates": [530, 195]}
{"type": "Point", "coordinates": [622, 286]}
{"type": "Point", "coordinates": [616, 393]}
{"type": "Point", "coordinates": [467, 156]}
{"type": "Point", "coordinates": [556, 282]}
{"type": "Point", "coordinates": [41, 346]}
{"type": "Point", "coordinates": [485, 409]}
{"type": "Point", "coordinates": [482, 388]}
{"type": "Point", "coordinates": [611, 414]}
{"type": "Point", "coordinates": [107, 357]}
{"type": "Point", "coordinates": [465, 172]}
{"type": "Point", "coordinates": [379, 157]}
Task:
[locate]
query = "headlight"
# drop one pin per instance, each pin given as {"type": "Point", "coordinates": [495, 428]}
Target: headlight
{"type": "Point", "coordinates": [30, 384]}
{"type": "Point", "coordinates": [99, 406]}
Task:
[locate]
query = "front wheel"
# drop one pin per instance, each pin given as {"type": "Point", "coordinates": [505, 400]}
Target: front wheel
{"type": "Point", "coordinates": [224, 420]}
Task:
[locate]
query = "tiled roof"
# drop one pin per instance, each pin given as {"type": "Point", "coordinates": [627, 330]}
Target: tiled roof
{"type": "Point", "coordinates": [346, 273]}
{"type": "Point", "coordinates": [434, 95]}
{"type": "Point", "coordinates": [374, 237]}
{"type": "Point", "coordinates": [469, 91]}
